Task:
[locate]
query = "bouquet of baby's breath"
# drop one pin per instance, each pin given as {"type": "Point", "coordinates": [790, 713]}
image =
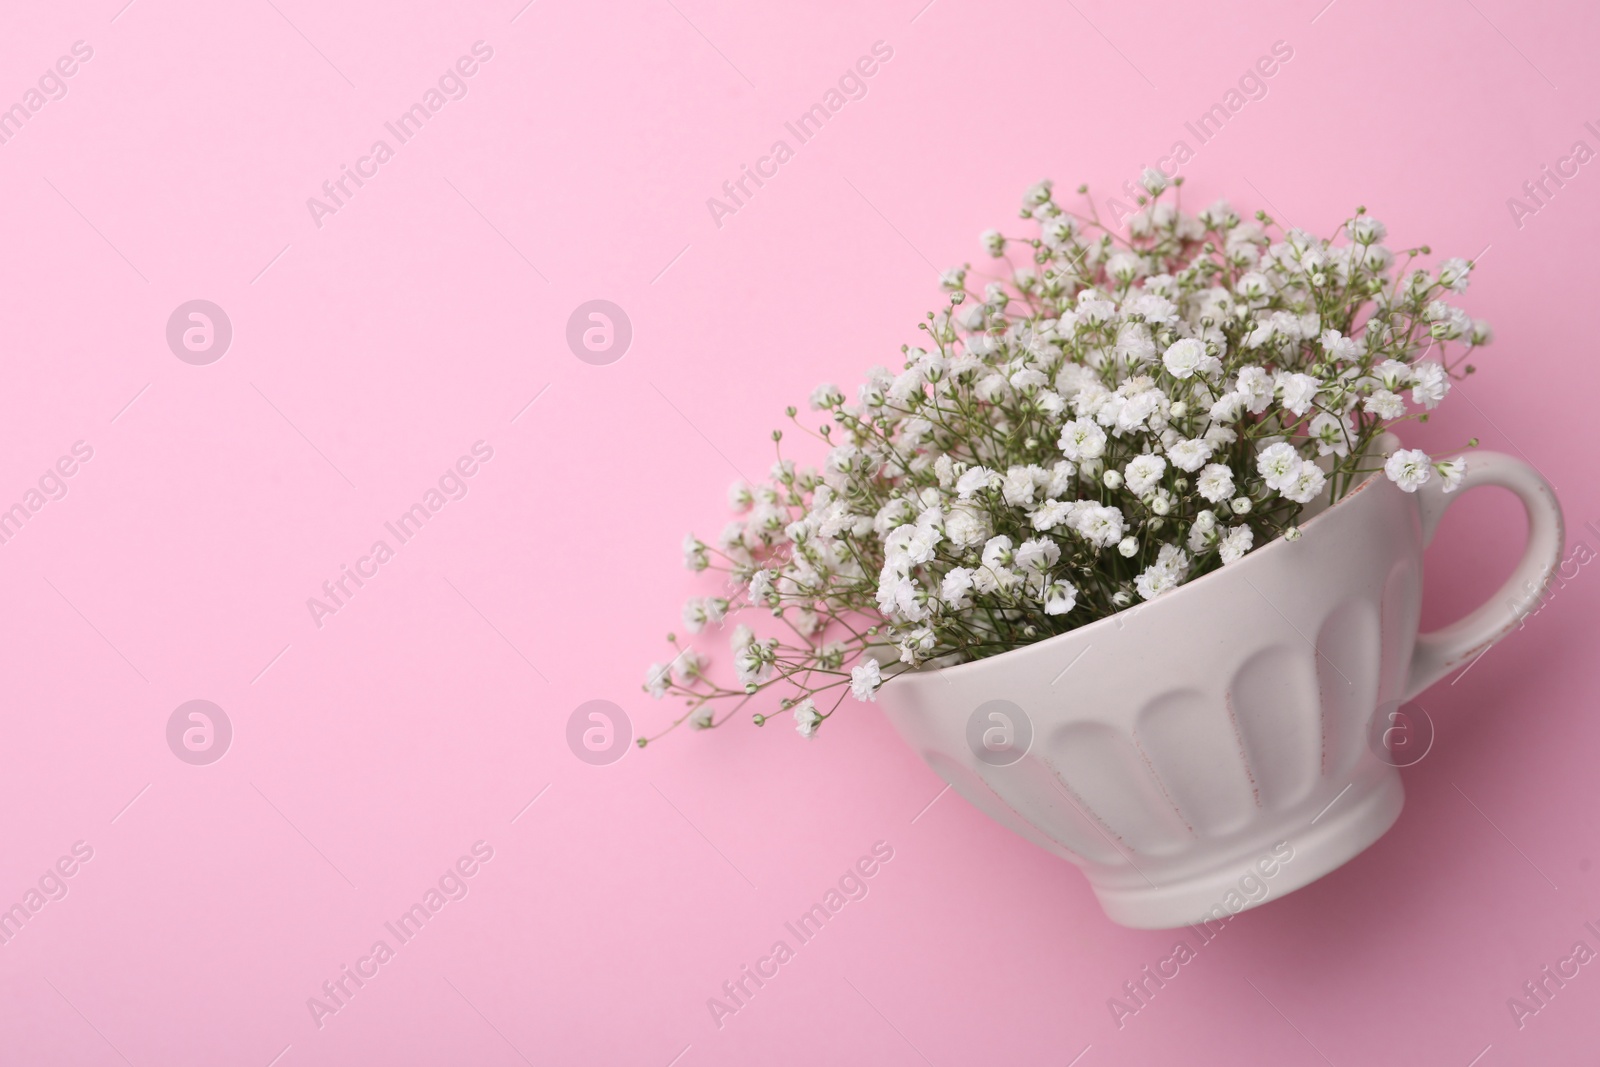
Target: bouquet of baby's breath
{"type": "Point", "coordinates": [1105, 420]}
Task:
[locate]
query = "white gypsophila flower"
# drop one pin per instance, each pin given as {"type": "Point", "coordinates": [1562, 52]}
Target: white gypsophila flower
{"type": "Point", "coordinates": [973, 481]}
{"type": "Point", "coordinates": [1235, 543]}
{"type": "Point", "coordinates": [1432, 383]}
{"type": "Point", "coordinates": [897, 596]}
{"type": "Point", "coordinates": [689, 664]}
{"type": "Point", "coordinates": [1228, 407]}
{"type": "Point", "coordinates": [1143, 472]}
{"type": "Point", "coordinates": [1134, 344]}
{"type": "Point", "coordinates": [990, 580]}
{"type": "Point", "coordinates": [1307, 484]}
{"type": "Point", "coordinates": [695, 555]}
{"type": "Point", "coordinates": [1050, 514]}
{"type": "Point", "coordinates": [1336, 346]}
{"type": "Point", "coordinates": [657, 677]}
{"type": "Point", "coordinates": [1453, 274]}
{"type": "Point", "coordinates": [1190, 454]}
{"type": "Point", "coordinates": [1409, 468]}
{"type": "Point", "coordinates": [967, 525]}
{"type": "Point", "coordinates": [1037, 554]}
{"type": "Point", "coordinates": [957, 584]}
{"type": "Point", "coordinates": [1131, 412]}
{"type": "Point", "coordinates": [1183, 357]}
{"type": "Point", "coordinates": [1059, 231]}
{"type": "Point", "coordinates": [1059, 598]}
{"type": "Point", "coordinates": [1451, 471]}
{"type": "Point", "coordinates": [1215, 483]}
{"type": "Point", "coordinates": [1393, 373]}
{"type": "Point", "coordinates": [1367, 230]}
{"type": "Point", "coordinates": [992, 388]}
{"type": "Point", "coordinates": [997, 553]}
{"type": "Point", "coordinates": [915, 645]}
{"type": "Point", "coordinates": [1253, 285]}
{"type": "Point", "coordinates": [1124, 267]}
{"type": "Point", "coordinates": [826, 395]}
{"type": "Point", "coordinates": [1384, 404]}
{"type": "Point", "coordinates": [1156, 579]}
{"type": "Point", "coordinates": [1332, 434]}
{"type": "Point", "coordinates": [807, 718]}
{"type": "Point", "coordinates": [1017, 488]}
{"type": "Point", "coordinates": [1280, 465]}
{"type": "Point", "coordinates": [1299, 391]}
{"type": "Point", "coordinates": [1060, 479]}
{"type": "Point", "coordinates": [1081, 440]}
{"type": "Point", "coordinates": [907, 384]}
{"type": "Point", "coordinates": [911, 545]}
{"type": "Point", "coordinates": [865, 680]}
{"type": "Point", "coordinates": [1102, 525]}
{"type": "Point", "coordinates": [750, 665]}
{"type": "Point", "coordinates": [1256, 387]}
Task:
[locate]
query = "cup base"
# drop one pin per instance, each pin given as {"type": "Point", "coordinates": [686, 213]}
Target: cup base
{"type": "Point", "coordinates": [1339, 834]}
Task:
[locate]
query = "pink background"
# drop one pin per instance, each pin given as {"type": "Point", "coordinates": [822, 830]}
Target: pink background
{"type": "Point", "coordinates": [369, 353]}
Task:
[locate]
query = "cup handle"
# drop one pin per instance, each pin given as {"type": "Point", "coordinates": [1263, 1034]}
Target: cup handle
{"type": "Point", "coordinates": [1441, 651]}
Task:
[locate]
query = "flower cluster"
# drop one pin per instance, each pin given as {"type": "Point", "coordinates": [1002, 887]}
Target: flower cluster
{"type": "Point", "coordinates": [1107, 418]}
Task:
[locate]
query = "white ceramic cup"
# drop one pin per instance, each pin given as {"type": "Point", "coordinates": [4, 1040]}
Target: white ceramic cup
{"type": "Point", "coordinates": [1169, 750]}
